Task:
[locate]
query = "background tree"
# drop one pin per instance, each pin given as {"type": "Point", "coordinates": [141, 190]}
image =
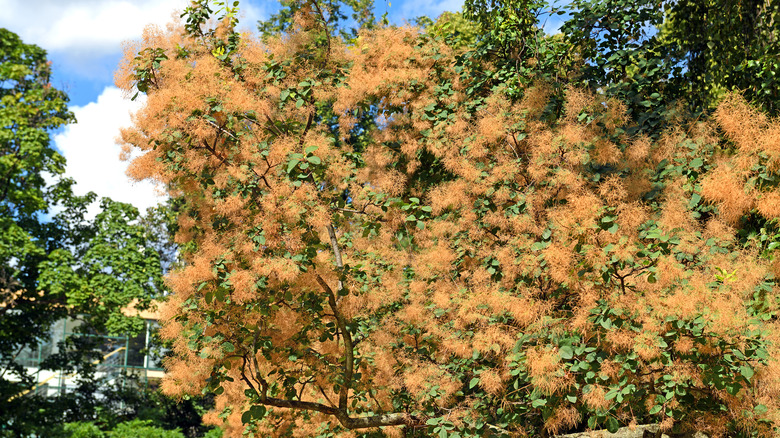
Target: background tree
{"type": "Point", "coordinates": [54, 262]}
{"type": "Point", "coordinates": [728, 46]}
{"type": "Point", "coordinates": [91, 271]}
{"type": "Point", "coordinates": [128, 403]}
{"type": "Point", "coordinates": [375, 236]}
{"type": "Point", "coordinates": [129, 429]}
{"type": "Point", "coordinates": [29, 108]}
{"type": "Point", "coordinates": [654, 54]}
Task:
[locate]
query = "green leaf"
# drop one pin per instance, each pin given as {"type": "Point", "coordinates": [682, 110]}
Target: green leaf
{"type": "Point", "coordinates": [613, 425]}
{"type": "Point", "coordinates": [695, 198]}
{"type": "Point", "coordinates": [566, 352]}
{"type": "Point", "coordinates": [746, 371]}
{"type": "Point", "coordinates": [228, 347]}
{"type": "Point", "coordinates": [256, 412]}
{"type": "Point", "coordinates": [474, 382]}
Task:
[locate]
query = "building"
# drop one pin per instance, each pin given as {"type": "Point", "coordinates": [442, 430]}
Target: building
{"type": "Point", "coordinates": [120, 356]}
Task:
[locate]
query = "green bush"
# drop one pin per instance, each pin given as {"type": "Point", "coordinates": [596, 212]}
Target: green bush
{"type": "Point", "coordinates": [128, 429]}
{"type": "Point", "coordinates": [83, 430]}
{"type": "Point", "coordinates": [142, 429]}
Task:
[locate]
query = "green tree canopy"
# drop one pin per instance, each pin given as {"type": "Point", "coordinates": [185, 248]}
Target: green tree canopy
{"type": "Point", "coordinates": [29, 108]}
{"type": "Point", "coordinates": [55, 263]}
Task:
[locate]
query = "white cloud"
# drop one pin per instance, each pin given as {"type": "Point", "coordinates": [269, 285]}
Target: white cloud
{"type": "Point", "coordinates": [85, 27]}
{"type": "Point", "coordinates": [92, 154]}
{"type": "Point", "coordinates": [92, 28]}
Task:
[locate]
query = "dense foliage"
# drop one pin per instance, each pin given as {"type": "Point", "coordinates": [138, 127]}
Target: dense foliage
{"type": "Point", "coordinates": [29, 107]}
{"type": "Point", "coordinates": [396, 234]}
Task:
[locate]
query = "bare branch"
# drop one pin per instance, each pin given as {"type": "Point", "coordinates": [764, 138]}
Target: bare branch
{"type": "Point", "coordinates": [395, 419]}
{"type": "Point", "coordinates": [322, 391]}
{"type": "Point", "coordinates": [324, 25]}
{"type": "Point", "coordinates": [334, 243]}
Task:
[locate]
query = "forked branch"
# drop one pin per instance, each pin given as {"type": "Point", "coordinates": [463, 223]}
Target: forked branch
{"type": "Point", "coordinates": [341, 412]}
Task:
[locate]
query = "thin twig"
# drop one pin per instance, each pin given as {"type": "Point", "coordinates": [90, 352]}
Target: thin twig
{"type": "Point", "coordinates": [223, 130]}
{"type": "Point", "coordinates": [325, 27]}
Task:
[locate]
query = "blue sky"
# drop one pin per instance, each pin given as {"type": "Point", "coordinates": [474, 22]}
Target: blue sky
{"type": "Point", "coordinates": [84, 41]}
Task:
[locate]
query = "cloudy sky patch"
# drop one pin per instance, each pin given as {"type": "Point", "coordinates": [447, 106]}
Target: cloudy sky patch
{"type": "Point", "coordinates": [93, 28]}
{"type": "Point", "coordinates": [90, 149]}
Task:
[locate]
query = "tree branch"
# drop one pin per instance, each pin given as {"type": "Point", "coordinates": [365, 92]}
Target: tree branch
{"type": "Point", "coordinates": [325, 27]}
{"type": "Point", "coordinates": [349, 359]}
{"type": "Point", "coordinates": [12, 359]}
{"type": "Point", "coordinates": [334, 243]}
{"type": "Point", "coordinates": [395, 419]}
{"type": "Point", "coordinates": [272, 126]}
{"type": "Point", "coordinates": [306, 129]}
{"type": "Point", "coordinates": [322, 391]}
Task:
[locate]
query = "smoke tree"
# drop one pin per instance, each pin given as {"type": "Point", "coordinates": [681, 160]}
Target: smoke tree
{"type": "Point", "coordinates": [375, 243]}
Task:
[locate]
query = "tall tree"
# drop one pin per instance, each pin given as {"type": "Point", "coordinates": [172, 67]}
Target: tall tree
{"type": "Point", "coordinates": [653, 55]}
{"type": "Point", "coordinates": [54, 263]}
{"type": "Point", "coordinates": [368, 242]}
{"type": "Point", "coordinates": [29, 108]}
